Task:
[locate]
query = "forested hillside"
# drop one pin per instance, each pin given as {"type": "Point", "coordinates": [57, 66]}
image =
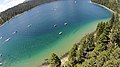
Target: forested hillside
{"type": "Point", "coordinates": [97, 49]}
{"type": "Point", "coordinates": [12, 12]}
{"type": "Point", "coordinates": [112, 4]}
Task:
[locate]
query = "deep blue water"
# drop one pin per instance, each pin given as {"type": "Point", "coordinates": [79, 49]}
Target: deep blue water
{"type": "Point", "coordinates": [33, 31]}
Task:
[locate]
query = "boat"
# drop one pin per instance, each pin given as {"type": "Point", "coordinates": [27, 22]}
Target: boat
{"type": "Point", "coordinates": [60, 33]}
{"type": "Point", "coordinates": [55, 25]}
{"type": "Point", "coordinates": [90, 2]}
{"type": "Point", "coordinates": [7, 39]}
{"type": "Point", "coordinates": [1, 64]}
{"type": "Point", "coordinates": [14, 32]}
{"type": "Point", "coordinates": [1, 37]}
{"type": "Point", "coordinates": [29, 25]}
{"type": "Point", "coordinates": [65, 23]}
{"type": "Point", "coordinates": [75, 1]}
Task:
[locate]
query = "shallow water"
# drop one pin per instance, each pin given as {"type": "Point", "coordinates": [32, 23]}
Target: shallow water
{"type": "Point", "coordinates": [29, 38]}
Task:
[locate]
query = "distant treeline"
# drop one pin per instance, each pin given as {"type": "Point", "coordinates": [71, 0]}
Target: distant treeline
{"type": "Point", "coordinates": [112, 4]}
{"type": "Point", "coordinates": [12, 12]}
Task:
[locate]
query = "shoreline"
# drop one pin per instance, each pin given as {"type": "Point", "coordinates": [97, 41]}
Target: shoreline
{"type": "Point", "coordinates": [103, 6]}
{"type": "Point", "coordinates": [22, 12]}
{"type": "Point", "coordinates": [65, 56]}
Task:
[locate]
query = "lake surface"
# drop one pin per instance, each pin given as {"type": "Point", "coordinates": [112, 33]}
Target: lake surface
{"type": "Point", "coordinates": [29, 38]}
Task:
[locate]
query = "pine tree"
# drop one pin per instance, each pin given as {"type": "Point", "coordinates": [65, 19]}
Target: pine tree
{"type": "Point", "coordinates": [55, 61]}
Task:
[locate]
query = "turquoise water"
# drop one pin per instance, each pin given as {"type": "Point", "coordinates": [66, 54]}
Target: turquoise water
{"type": "Point", "coordinates": [29, 38]}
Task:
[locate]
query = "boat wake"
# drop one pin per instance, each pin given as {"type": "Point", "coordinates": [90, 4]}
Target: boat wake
{"type": "Point", "coordinates": [14, 32]}
{"type": "Point", "coordinates": [8, 39]}
{"type": "Point", "coordinates": [29, 25]}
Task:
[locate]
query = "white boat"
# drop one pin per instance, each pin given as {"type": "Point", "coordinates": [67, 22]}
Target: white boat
{"type": "Point", "coordinates": [29, 25]}
{"type": "Point", "coordinates": [1, 37]}
{"type": "Point", "coordinates": [60, 33]}
{"type": "Point", "coordinates": [75, 1]}
{"type": "Point", "coordinates": [55, 25]}
{"type": "Point", "coordinates": [90, 2]}
{"type": "Point", "coordinates": [7, 39]}
{"type": "Point", "coordinates": [1, 64]}
{"type": "Point", "coordinates": [65, 23]}
{"type": "Point", "coordinates": [14, 32]}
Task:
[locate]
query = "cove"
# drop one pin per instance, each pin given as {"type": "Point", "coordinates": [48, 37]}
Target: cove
{"type": "Point", "coordinates": [26, 40]}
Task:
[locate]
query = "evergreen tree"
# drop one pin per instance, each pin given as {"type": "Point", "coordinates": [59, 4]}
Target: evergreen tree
{"type": "Point", "coordinates": [112, 63]}
{"type": "Point", "coordinates": [55, 61]}
{"type": "Point", "coordinates": [115, 35]}
{"type": "Point", "coordinates": [72, 55]}
{"type": "Point", "coordinates": [99, 29]}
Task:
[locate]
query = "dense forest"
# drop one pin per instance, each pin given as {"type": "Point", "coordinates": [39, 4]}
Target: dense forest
{"type": "Point", "coordinates": [100, 48]}
{"type": "Point", "coordinates": [12, 12]}
{"type": "Point", "coordinates": [112, 4]}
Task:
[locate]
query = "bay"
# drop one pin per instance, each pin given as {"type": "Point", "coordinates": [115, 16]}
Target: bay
{"type": "Point", "coordinates": [32, 36]}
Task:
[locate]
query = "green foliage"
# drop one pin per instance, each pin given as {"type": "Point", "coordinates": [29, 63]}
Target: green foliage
{"type": "Point", "coordinates": [12, 12]}
{"type": "Point", "coordinates": [100, 29]}
{"type": "Point", "coordinates": [67, 64]}
{"type": "Point", "coordinates": [100, 49]}
{"type": "Point", "coordinates": [115, 54]}
{"type": "Point", "coordinates": [89, 63]}
{"type": "Point", "coordinates": [90, 42]}
{"type": "Point", "coordinates": [112, 4]}
{"type": "Point", "coordinates": [55, 61]}
{"type": "Point", "coordinates": [72, 52]}
{"type": "Point", "coordinates": [114, 18]}
{"type": "Point", "coordinates": [115, 35]}
{"type": "Point", "coordinates": [102, 58]}
{"type": "Point", "coordinates": [72, 55]}
{"type": "Point", "coordinates": [80, 55]}
{"type": "Point", "coordinates": [112, 63]}
{"type": "Point", "coordinates": [103, 39]}
{"type": "Point", "coordinates": [78, 65]}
